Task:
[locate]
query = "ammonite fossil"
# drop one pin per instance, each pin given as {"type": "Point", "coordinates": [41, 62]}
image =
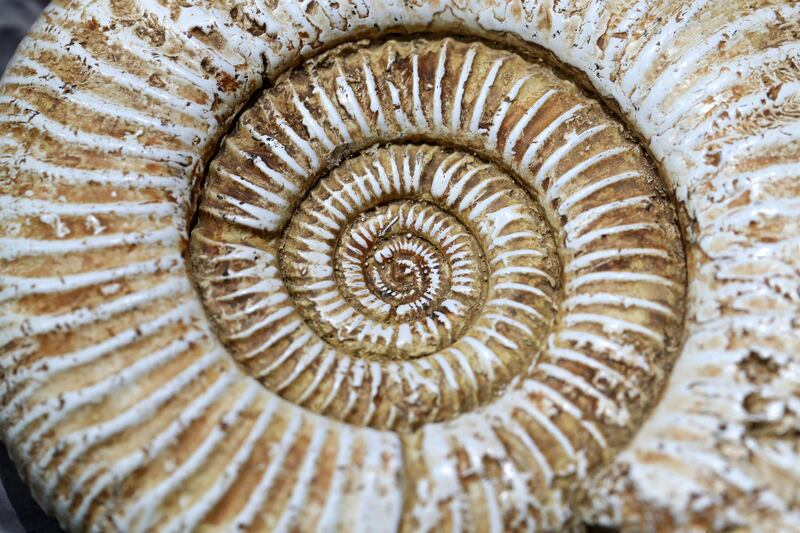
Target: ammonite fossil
{"type": "Point", "coordinates": [395, 265]}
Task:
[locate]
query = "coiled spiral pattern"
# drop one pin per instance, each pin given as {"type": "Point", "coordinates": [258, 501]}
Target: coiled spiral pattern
{"type": "Point", "coordinates": [413, 272]}
{"type": "Point", "coordinates": [531, 290]}
{"type": "Point", "coordinates": [399, 253]}
{"type": "Point", "coordinates": [426, 283]}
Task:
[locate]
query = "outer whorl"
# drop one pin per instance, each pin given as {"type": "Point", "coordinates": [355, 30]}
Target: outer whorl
{"type": "Point", "coordinates": [416, 283]}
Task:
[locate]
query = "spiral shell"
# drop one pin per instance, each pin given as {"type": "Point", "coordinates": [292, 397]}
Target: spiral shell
{"type": "Point", "coordinates": [318, 326]}
{"type": "Point", "coordinates": [418, 282]}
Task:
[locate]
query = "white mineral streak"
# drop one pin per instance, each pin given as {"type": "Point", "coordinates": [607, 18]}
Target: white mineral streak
{"type": "Point", "coordinates": [673, 68]}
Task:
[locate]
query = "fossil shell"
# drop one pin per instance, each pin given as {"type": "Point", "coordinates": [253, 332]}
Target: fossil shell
{"type": "Point", "coordinates": [420, 282]}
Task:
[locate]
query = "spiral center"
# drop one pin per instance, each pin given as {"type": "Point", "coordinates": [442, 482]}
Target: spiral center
{"type": "Point", "coordinates": [406, 272]}
{"type": "Point", "coordinates": [395, 280]}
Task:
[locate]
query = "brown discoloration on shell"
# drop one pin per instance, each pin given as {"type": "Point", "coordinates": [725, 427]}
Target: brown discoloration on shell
{"type": "Point", "coordinates": [718, 131]}
{"type": "Point", "coordinates": [607, 154]}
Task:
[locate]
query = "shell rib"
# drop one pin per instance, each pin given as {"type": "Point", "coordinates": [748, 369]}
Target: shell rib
{"type": "Point", "coordinates": [129, 400]}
